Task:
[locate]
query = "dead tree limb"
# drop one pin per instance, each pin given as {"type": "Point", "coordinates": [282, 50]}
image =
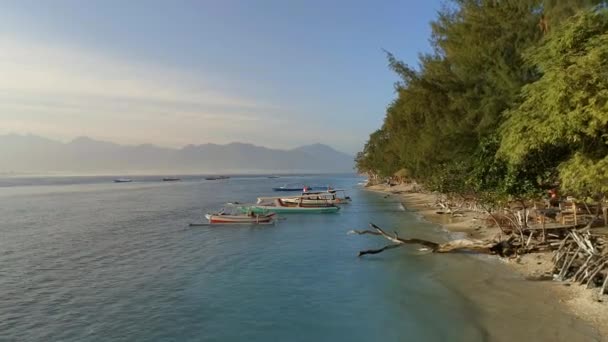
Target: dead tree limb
{"type": "Point", "coordinates": [503, 248]}
{"type": "Point", "coordinates": [380, 250]}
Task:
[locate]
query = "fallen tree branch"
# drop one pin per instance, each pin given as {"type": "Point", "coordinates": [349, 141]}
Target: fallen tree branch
{"type": "Point", "coordinates": [502, 248]}
{"type": "Point", "coordinates": [376, 251]}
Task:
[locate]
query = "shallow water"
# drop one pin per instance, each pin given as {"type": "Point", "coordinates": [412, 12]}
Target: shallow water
{"type": "Point", "coordinates": [102, 261]}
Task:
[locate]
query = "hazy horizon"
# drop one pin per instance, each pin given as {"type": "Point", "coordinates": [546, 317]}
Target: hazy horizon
{"type": "Point", "coordinates": [83, 155]}
{"type": "Point", "coordinates": [176, 147]}
{"type": "Point", "coordinates": [277, 74]}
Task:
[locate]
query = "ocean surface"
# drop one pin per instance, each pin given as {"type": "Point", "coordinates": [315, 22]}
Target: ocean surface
{"type": "Point", "coordinates": [85, 259]}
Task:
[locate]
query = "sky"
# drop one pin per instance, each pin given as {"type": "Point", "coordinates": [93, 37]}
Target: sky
{"type": "Point", "coordinates": [275, 73]}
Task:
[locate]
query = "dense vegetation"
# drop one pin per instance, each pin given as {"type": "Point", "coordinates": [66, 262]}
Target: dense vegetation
{"type": "Point", "coordinates": [512, 101]}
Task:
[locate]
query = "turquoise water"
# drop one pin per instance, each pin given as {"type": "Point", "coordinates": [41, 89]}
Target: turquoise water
{"type": "Point", "coordinates": [89, 260]}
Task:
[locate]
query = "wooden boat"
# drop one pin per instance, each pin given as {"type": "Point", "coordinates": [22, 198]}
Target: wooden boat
{"type": "Point", "coordinates": [275, 204]}
{"type": "Point", "coordinates": [331, 196]}
{"type": "Point", "coordinates": [243, 218]}
{"type": "Point", "coordinates": [169, 179]}
{"type": "Point", "coordinates": [294, 188]}
{"type": "Point", "coordinates": [123, 180]}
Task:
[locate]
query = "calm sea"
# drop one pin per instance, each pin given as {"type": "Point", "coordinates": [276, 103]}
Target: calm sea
{"type": "Point", "coordinates": [85, 259]}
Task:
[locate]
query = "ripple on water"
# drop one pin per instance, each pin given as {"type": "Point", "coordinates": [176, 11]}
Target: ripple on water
{"type": "Point", "coordinates": [101, 262]}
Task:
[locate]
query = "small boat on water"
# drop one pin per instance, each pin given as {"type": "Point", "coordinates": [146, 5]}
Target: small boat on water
{"type": "Point", "coordinates": [170, 179]}
{"type": "Point", "coordinates": [320, 197]}
{"type": "Point", "coordinates": [293, 188]}
{"type": "Point", "coordinates": [287, 188]}
{"type": "Point", "coordinates": [277, 205]}
{"type": "Point", "coordinates": [223, 217]}
{"type": "Point", "coordinates": [123, 180]}
{"type": "Point", "coordinates": [216, 177]}
{"type": "Point", "coordinates": [273, 177]}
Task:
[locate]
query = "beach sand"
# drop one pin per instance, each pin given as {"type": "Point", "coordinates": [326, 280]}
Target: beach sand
{"type": "Point", "coordinates": [581, 302]}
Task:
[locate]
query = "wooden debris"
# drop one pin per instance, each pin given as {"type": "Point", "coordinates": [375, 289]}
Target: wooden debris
{"type": "Point", "coordinates": [580, 256]}
{"type": "Point", "coordinates": [502, 248]}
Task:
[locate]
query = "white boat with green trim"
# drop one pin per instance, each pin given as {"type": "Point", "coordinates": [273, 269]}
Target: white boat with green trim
{"type": "Point", "coordinates": [337, 196]}
{"type": "Point", "coordinates": [276, 205]}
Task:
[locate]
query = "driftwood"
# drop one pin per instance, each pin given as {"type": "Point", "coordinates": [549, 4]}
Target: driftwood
{"type": "Point", "coordinates": [502, 248]}
{"type": "Point", "coordinates": [582, 257]}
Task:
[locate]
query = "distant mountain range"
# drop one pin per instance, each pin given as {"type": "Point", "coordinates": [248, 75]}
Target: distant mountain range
{"type": "Point", "coordinates": [34, 154]}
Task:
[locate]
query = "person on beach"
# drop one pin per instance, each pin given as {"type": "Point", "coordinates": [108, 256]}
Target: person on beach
{"type": "Point", "coordinates": [553, 198]}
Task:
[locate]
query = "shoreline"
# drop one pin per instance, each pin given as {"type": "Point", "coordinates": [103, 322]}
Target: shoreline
{"type": "Point", "coordinates": [578, 301]}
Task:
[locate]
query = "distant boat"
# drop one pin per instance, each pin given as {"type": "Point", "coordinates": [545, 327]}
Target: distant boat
{"type": "Point", "coordinates": [273, 177]}
{"type": "Point", "coordinates": [169, 179]}
{"type": "Point", "coordinates": [287, 188]}
{"type": "Point", "coordinates": [123, 180]}
{"type": "Point", "coordinates": [216, 177]}
{"type": "Point", "coordinates": [303, 188]}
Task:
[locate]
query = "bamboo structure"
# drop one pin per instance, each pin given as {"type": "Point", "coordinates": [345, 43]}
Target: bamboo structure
{"type": "Point", "coordinates": [582, 257]}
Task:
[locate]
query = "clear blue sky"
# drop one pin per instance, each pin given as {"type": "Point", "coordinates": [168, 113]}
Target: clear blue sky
{"type": "Point", "coordinates": [273, 73]}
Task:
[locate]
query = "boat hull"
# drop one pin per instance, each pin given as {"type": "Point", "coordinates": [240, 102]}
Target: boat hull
{"type": "Point", "coordinates": [239, 219]}
{"type": "Point", "coordinates": [260, 209]}
{"type": "Point", "coordinates": [217, 177]}
{"type": "Point", "coordinates": [310, 188]}
{"type": "Point", "coordinates": [316, 201]}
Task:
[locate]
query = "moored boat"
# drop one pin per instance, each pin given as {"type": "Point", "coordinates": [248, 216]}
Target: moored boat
{"type": "Point", "coordinates": [293, 188]}
{"type": "Point", "coordinates": [240, 218]}
{"type": "Point", "coordinates": [216, 177]}
{"type": "Point", "coordinates": [321, 197]}
{"type": "Point", "coordinates": [170, 179]}
{"type": "Point", "coordinates": [275, 204]}
{"type": "Point", "coordinates": [288, 188]}
{"type": "Point", "coordinates": [123, 180]}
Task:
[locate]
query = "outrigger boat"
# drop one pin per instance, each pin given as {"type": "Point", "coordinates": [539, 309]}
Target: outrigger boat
{"type": "Point", "coordinates": [320, 197]}
{"type": "Point", "coordinates": [275, 204]}
{"type": "Point", "coordinates": [249, 217]}
{"type": "Point", "coordinates": [302, 188]}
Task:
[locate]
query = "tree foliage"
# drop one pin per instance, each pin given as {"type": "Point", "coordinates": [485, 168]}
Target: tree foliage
{"type": "Point", "coordinates": [512, 99]}
{"type": "Point", "coordinates": [567, 108]}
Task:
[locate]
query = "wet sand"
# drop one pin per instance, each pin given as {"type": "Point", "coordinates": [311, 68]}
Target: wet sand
{"type": "Point", "coordinates": [549, 297]}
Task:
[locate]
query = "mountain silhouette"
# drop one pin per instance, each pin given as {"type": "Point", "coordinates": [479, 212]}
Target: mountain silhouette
{"type": "Point", "coordinates": [31, 153]}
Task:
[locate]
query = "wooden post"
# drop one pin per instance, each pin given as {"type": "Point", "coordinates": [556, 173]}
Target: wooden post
{"type": "Point", "coordinates": [574, 209]}
{"type": "Point", "coordinates": [542, 220]}
{"type": "Point", "coordinates": [605, 210]}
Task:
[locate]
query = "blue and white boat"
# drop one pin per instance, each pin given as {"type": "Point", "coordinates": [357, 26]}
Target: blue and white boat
{"type": "Point", "coordinates": [302, 188]}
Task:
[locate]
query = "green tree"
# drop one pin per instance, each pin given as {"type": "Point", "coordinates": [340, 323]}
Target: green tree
{"type": "Point", "coordinates": [566, 110]}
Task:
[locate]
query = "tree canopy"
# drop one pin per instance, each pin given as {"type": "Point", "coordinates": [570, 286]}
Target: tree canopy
{"type": "Point", "coordinates": [513, 100]}
{"type": "Point", "coordinates": [566, 108]}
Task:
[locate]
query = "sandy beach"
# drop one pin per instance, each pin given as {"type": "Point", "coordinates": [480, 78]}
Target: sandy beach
{"type": "Point", "coordinates": [580, 301]}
